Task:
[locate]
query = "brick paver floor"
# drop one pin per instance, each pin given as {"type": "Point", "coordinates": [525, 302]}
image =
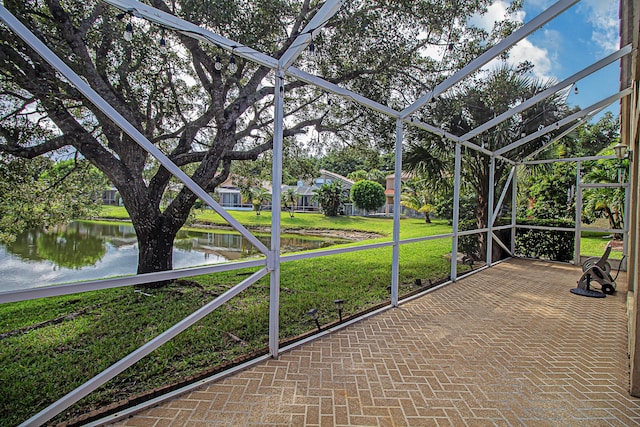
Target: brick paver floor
{"type": "Point", "coordinates": [509, 346]}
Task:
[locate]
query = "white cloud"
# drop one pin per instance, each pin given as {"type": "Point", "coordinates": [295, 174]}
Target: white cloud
{"type": "Point", "coordinates": [539, 57]}
{"type": "Point", "coordinates": [603, 15]}
{"type": "Point", "coordinates": [495, 12]}
{"type": "Point", "coordinates": [524, 50]}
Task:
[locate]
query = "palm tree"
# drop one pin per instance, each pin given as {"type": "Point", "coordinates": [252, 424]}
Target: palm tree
{"type": "Point", "coordinates": [418, 199]}
{"type": "Point", "coordinates": [462, 111]}
{"type": "Point", "coordinates": [290, 200]}
{"type": "Point", "coordinates": [258, 197]}
{"type": "Point", "coordinates": [330, 197]}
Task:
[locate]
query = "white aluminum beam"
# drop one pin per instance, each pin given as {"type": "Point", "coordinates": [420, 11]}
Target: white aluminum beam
{"type": "Point", "coordinates": [440, 132]}
{"type": "Point", "coordinates": [605, 185]}
{"type": "Point", "coordinates": [117, 282]}
{"type": "Point", "coordinates": [425, 238]}
{"type": "Point", "coordinates": [563, 122]}
{"type": "Point", "coordinates": [456, 212]}
{"type": "Point", "coordinates": [273, 263]}
{"type": "Point", "coordinates": [491, 53]}
{"type": "Point", "coordinates": [187, 28]}
{"type": "Point", "coordinates": [397, 188]}
{"type": "Point", "coordinates": [563, 134]}
{"type": "Point", "coordinates": [133, 357]}
{"type": "Point", "coordinates": [429, 128]}
{"type": "Point", "coordinates": [568, 159]}
{"type": "Point", "coordinates": [494, 215]}
{"type": "Point", "coordinates": [501, 244]}
{"type": "Point", "coordinates": [514, 210]}
{"type": "Point", "coordinates": [578, 218]}
{"type": "Point", "coordinates": [340, 91]}
{"type": "Point", "coordinates": [492, 191]}
{"type": "Point", "coordinates": [546, 93]}
{"type": "Point", "coordinates": [319, 20]}
{"type": "Point", "coordinates": [542, 227]}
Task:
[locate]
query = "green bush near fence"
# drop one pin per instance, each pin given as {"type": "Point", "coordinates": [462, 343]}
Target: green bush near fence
{"type": "Point", "coordinates": [554, 245]}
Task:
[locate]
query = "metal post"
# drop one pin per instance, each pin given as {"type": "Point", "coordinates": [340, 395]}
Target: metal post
{"type": "Point", "coordinates": [456, 212]}
{"type": "Point", "coordinates": [397, 187]}
{"type": "Point", "coordinates": [514, 210]}
{"type": "Point", "coordinates": [276, 190]}
{"type": "Point", "coordinates": [578, 220]}
{"type": "Point", "coordinates": [625, 225]}
{"type": "Point", "coordinates": [492, 182]}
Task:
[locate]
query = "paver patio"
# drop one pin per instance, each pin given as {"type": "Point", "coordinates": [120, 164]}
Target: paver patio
{"type": "Point", "coordinates": [508, 346]}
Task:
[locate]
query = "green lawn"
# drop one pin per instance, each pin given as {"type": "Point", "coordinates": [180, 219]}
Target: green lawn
{"type": "Point", "coordinates": [50, 346]}
{"type": "Point", "coordinates": [594, 244]}
{"type": "Point", "coordinates": [309, 221]}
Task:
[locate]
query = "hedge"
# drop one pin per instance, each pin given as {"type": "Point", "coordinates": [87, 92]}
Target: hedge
{"type": "Point", "coordinates": [547, 244]}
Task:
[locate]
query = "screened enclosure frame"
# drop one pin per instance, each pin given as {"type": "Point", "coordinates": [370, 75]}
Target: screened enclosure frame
{"type": "Point", "coordinates": [271, 263]}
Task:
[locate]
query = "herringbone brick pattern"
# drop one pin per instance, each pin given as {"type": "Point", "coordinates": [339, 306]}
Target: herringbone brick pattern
{"type": "Point", "coordinates": [509, 346]}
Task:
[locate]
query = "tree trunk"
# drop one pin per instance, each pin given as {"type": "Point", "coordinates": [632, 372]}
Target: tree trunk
{"type": "Point", "coordinates": [155, 253]}
{"type": "Point", "coordinates": [427, 219]}
{"type": "Point", "coordinates": [482, 219]}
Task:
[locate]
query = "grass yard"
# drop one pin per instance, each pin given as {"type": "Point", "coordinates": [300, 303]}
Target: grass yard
{"type": "Point", "coordinates": [53, 345]}
{"type": "Point", "coordinates": [50, 346]}
{"type": "Point", "coordinates": [594, 243]}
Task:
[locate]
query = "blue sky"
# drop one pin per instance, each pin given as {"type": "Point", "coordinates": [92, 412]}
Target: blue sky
{"type": "Point", "coordinates": [580, 36]}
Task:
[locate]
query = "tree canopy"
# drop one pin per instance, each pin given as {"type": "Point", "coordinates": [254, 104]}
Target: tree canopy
{"type": "Point", "coordinates": [205, 107]}
{"type": "Point", "coordinates": [367, 195]}
{"type": "Point", "coordinates": [43, 193]}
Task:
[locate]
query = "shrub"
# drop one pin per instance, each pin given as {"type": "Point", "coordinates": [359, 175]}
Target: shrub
{"type": "Point", "coordinates": [330, 198]}
{"type": "Point", "coordinates": [549, 244]}
{"type": "Point", "coordinates": [368, 195]}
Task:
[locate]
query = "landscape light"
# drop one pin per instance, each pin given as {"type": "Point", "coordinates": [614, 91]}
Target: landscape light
{"type": "Point", "coordinates": [313, 314]}
{"type": "Point", "coordinates": [339, 305]}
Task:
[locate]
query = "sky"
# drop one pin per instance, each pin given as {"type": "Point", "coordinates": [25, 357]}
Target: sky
{"type": "Point", "coordinates": [580, 36]}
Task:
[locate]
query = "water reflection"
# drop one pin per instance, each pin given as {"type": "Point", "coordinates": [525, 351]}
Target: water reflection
{"type": "Point", "coordinates": [84, 251]}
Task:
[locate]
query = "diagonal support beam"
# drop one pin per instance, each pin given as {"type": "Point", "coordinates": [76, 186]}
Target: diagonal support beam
{"type": "Point", "coordinates": [494, 215]}
{"type": "Point", "coordinates": [111, 372]}
{"type": "Point", "coordinates": [563, 134]}
{"type": "Point", "coordinates": [501, 244]}
{"type": "Point", "coordinates": [187, 28]}
{"type": "Point", "coordinates": [548, 92]}
{"type": "Point", "coordinates": [319, 20]}
{"type": "Point", "coordinates": [491, 53]}
{"type": "Point", "coordinates": [566, 120]}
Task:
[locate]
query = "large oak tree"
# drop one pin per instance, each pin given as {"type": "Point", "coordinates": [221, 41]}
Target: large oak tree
{"type": "Point", "coordinates": [203, 116]}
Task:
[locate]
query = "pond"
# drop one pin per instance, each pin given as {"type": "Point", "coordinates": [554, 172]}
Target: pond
{"type": "Point", "coordinates": [83, 251]}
